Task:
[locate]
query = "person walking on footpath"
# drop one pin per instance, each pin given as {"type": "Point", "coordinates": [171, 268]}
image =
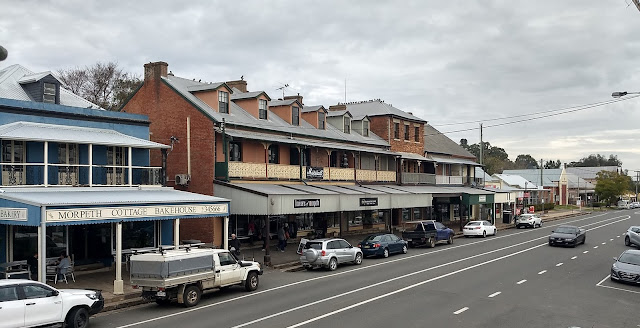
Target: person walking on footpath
{"type": "Point", "coordinates": [234, 245]}
{"type": "Point", "coordinates": [282, 241]}
{"type": "Point", "coordinates": [265, 238]}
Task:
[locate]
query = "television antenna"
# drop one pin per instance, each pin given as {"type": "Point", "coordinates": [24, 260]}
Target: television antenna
{"type": "Point", "coordinates": [283, 87]}
{"type": "Point", "coordinates": [635, 2]}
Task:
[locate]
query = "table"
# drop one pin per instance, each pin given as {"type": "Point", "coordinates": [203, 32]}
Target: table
{"type": "Point", "coordinates": [17, 269]}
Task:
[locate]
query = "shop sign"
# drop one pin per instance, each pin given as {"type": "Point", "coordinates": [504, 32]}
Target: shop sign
{"type": "Point", "coordinates": [315, 172]}
{"type": "Point", "coordinates": [482, 198]}
{"type": "Point", "coordinates": [369, 201]}
{"type": "Point", "coordinates": [134, 212]}
{"type": "Point", "coordinates": [13, 214]}
{"type": "Point", "coordinates": [298, 203]}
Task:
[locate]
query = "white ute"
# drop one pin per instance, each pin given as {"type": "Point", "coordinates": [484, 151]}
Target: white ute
{"type": "Point", "coordinates": [28, 303]}
{"type": "Point", "coordinates": [183, 274]}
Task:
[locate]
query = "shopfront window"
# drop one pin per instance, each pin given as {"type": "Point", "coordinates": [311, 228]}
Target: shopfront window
{"type": "Point", "coordinates": [417, 214]}
{"type": "Point", "coordinates": [406, 214]}
{"type": "Point", "coordinates": [137, 234]}
{"type": "Point", "coordinates": [25, 242]}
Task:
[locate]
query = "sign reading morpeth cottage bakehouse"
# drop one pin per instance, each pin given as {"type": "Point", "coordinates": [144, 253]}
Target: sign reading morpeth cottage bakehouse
{"type": "Point", "coordinates": [298, 203]}
{"type": "Point", "coordinates": [133, 212]}
{"type": "Point", "coordinates": [369, 201]}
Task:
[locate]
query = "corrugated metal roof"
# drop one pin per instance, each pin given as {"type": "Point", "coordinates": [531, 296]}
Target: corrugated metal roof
{"type": "Point", "coordinates": [437, 143]}
{"type": "Point", "coordinates": [11, 89]}
{"type": "Point", "coordinates": [414, 156]}
{"type": "Point", "coordinates": [247, 95]}
{"type": "Point", "coordinates": [77, 196]}
{"type": "Point", "coordinates": [550, 176]}
{"type": "Point", "coordinates": [334, 113]}
{"type": "Point", "coordinates": [379, 108]}
{"type": "Point", "coordinates": [516, 181]}
{"type": "Point", "coordinates": [29, 131]}
{"type": "Point", "coordinates": [205, 86]}
{"type": "Point", "coordinates": [591, 172]}
{"type": "Point", "coordinates": [286, 102]}
{"type": "Point", "coordinates": [270, 189]}
{"type": "Point", "coordinates": [36, 77]}
{"type": "Point", "coordinates": [452, 160]}
{"type": "Point", "coordinates": [307, 109]}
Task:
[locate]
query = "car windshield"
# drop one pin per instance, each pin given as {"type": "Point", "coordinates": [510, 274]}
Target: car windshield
{"type": "Point", "coordinates": [373, 238]}
{"type": "Point", "coordinates": [473, 223]}
{"type": "Point", "coordinates": [630, 258]}
{"type": "Point", "coordinates": [565, 230]}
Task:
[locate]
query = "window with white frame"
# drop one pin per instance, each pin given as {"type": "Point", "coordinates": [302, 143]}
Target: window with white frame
{"type": "Point", "coordinates": [295, 115]}
{"type": "Point", "coordinates": [347, 125]}
{"type": "Point", "coordinates": [49, 93]}
{"type": "Point", "coordinates": [396, 130]}
{"type": "Point", "coordinates": [68, 154]}
{"type": "Point", "coordinates": [274, 154]}
{"type": "Point", "coordinates": [223, 102]}
{"type": "Point", "coordinates": [321, 120]}
{"type": "Point", "coordinates": [262, 109]}
{"type": "Point", "coordinates": [365, 128]}
{"type": "Point", "coordinates": [117, 159]}
{"type": "Point", "coordinates": [13, 154]}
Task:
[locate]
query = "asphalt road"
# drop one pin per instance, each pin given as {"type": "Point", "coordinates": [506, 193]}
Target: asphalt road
{"type": "Point", "coordinates": [511, 280]}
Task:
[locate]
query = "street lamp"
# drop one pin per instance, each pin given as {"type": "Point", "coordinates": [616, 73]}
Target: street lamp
{"type": "Point", "coordinates": [619, 94]}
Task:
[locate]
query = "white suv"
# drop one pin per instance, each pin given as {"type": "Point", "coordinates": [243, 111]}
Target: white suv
{"type": "Point", "coordinates": [528, 220]}
{"type": "Point", "coordinates": [328, 253]}
{"type": "Point", "coordinates": [28, 303]}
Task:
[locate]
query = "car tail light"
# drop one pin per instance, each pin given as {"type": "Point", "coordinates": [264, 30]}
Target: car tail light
{"type": "Point", "coordinates": [323, 253]}
{"type": "Point", "coordinates": [477, 228]}
{"type": "Point", "coordinates": [134, 286]}
{"type": "Point", "coordinates": [376, 245]}
{"type": "Point", "coordinates": [161, 289]}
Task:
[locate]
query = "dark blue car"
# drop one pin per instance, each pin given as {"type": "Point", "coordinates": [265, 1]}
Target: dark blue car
{"type": "Point", "coordinates": [383, 244]}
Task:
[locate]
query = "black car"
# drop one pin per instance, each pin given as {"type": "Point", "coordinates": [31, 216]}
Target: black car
{"type": "Point", "coordinates": [383, 244]}
{"type": "Point", "coordinates": [627, 267]}
{"type": "Point", "coordinates": [567, 235]}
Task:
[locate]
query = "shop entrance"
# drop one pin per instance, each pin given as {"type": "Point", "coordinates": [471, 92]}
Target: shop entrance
{"type": "Point", "coordinates": [91, 243]}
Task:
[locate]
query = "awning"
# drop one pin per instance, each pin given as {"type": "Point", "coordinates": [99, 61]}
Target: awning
{"type": "Point", "coordinates": [28, 131]}
{"type": "Point", "coordinates": [413, 156]}
{"type": "Point", "coordinates": [452, 160]}
{"type": "Point", "coordinates": [92, 205]}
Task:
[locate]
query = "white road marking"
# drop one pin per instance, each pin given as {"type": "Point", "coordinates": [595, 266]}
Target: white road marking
{"type": "Point", "coordinates": [495, 294]}
{"type": "Point", "coordinates": [521, 281]}
{"type": "Point", "coordinates": [616, 288]}
{"type": "Point", "coordinates": [575, 257]}
{"type": "Point", "coordinates": [617, 236]}
{"type": "Point", "coordinates": [542, 272]}
{"type": "Point", "coordinates": [585, 252]}
{"type": "Point", "coordinates": [559, 264]}
{"type": "Point", "coordinates": [611, 239]}
{"type": "Point", "coordinates": [461, 310]}
{"type": "Point", "coordinates": [604, 243]}
{"type": "Point", "coordinates": [595, 246]}
{"type": "Point", "coordinates": [254, 294]}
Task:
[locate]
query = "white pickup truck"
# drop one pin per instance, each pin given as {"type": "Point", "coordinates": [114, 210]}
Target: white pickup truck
{"type": "Point", "coordinates": [183, 274]}
{"type": "Point", "coordinates": [28, 303]}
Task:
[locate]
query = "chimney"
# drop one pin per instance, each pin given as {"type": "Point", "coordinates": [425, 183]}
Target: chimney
{"type": "Point", "coordinates": [154, 71]}
{"type": "Point", "coordinates": [238, 84]}
{"type": "Point", "coordinates": [298, 97]}
{"type": "Point", "coordinates": [338, 107]}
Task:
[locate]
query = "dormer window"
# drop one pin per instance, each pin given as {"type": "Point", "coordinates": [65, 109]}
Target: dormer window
{"type": "Point", "coordinates": [262, 109]}
{"type": "Point", "coordinates": [295, 116]}
{"type": "Point", "coordinates": [49, 93]}
{"type": "Point", "coordinates": [365, 128]}
{"type": "Point", "coordinates": [321, 119]}
{"type": "Point", "coordinates": [347, 125]}
{"type": "Point", "coordinates": [223, 102]}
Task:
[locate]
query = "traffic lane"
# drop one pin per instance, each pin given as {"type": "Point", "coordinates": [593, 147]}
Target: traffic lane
{"type": "Point", "coordinates": [153, 312]}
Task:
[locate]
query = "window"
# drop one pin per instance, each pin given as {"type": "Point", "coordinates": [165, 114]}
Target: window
{"type": "Point", "coordinates": [235, 152]}
{"type": "Point", "coordinates": [68, 153]}
{"type": "Point", "coordinates": [262, 109]}
{"type": "Point", "coordinates": [49, 93]}
{"type": "Point", "coordinates": [343, 244]}
{"type": "Point", "coordinates": [13, 152]}
{"type": "Point", "coordinates": [8, 294]}
{"type": "Point", "coordinates": [36, 291]}
{"type": "Point", "coordinates": [406, 132]}
{"type": "Point", "coordinates": [274, 154]}
{"type": "Point", "coordinates": [396, 131]}
{"type": "Point", "coordinates": [440, 226]}
{"type": "Point", "coordinates": [347, 125]}
{"type": "Point", "coordinates": [416, 133]}
{"type": "Point", "coordinates": [365, 128]}
{"type": "Point", "coordinates": [295, 115]}
{"type": "Point", "coordinates": [226, 259]}
{"type": "Point", "coordinates": [116, 160]}
{"type": "Point", "coordinates": [321, 118]}
{"type": "Point", "coordinates": [223, 102]}
{"type": "Point", "coordinates": [137, 234]}
{"type": "Point", "coordinates": [333, 244]}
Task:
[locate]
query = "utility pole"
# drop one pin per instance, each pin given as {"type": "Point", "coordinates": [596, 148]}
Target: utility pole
{"type": "Point", "coordinates": [541, 182]}
{"type": "Point", "coordinates": [637, 180]}
{"type": "Point", "coordinates": [481, 146]}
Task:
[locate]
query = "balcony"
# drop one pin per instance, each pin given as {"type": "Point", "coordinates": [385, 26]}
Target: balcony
{"type": "Point", "coordinates": [239, 170]}
{"type": "Point", "coordinates": [418, 178]}
{"type": "Point", "coordinates": [26, 174]}
{"type": "Point", "coordinates": [449, 180]}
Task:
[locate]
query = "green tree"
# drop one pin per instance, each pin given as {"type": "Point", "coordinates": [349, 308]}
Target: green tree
{"type": "Point", "coordinates": [611, 185]}
{"type": "Point", "coordinates": [595, 160]}
{"type": "Point", "coordinates": [552, 164]}
{"type": "Point", "coordinates": [526, 162]}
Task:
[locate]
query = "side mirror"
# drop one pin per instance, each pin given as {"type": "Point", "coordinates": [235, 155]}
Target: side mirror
{"type": "Point", "coordinates": [553, 231]}
{"type": "Point", "coordinates": [615, 258]}
{"type": "Point", "coordinates": [55, 293]}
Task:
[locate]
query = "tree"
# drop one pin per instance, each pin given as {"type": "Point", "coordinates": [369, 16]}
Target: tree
{"type": "Point", "coordinates": [611, 185]}
{"type": "Point", "coordinates": [104, 84]}
{"type": "Point", "coordinates": [526, 162]}
{"type": "Point", "coordinates": [595, 160]}
{"type": "Point", "coordinates": [552, 164]}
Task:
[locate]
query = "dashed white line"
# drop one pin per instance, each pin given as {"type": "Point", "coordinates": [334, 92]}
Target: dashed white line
{"type": "Point", "coordinates": [595, 246]}
{"type": "Point", "coordinates": [575, 257]}
{"type": "Point", "coordinates": [543, 271]}
{"type": "Point", "coordinates": [585, 252]}
{"type": "Point", "coordinates": [604, 243]}
{"type": "Point", "coordinates": [521, 281]}
{"type": "Point", "coordinates": [617, 236]}
{"type": "Point", "coordinates": [559, 264]}
{"type": "Point", "coordinates": [611, 239]}
{"type": "Point", "coordinates": [495, 294]}
{"type": "Point", "coordinates": [461, 310]}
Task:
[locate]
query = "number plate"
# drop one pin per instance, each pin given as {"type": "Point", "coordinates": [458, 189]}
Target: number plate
{"type": "Point", "coordinates": [367, 246]}
{"type": "Point", "coordinates": [161, 294]}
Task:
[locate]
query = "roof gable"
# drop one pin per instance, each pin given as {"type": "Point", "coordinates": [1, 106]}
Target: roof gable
{"type": "Point", "coordinates": [379, 108]}
{"type": "Point", "coordinates": [438, 143]}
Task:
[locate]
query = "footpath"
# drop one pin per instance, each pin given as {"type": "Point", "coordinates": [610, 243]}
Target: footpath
{"type": "Point", "coordinates": [289, 259]}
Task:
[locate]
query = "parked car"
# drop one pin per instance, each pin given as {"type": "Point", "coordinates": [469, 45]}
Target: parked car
{"type": "Point", "coordinates": [28, 303]}
{"type": "Point", "coordinates": [632, 236]}
{"type": "Point", "coordinates": [427, 232]}
{"type": "Point", "coordinates": [383, 244]}
{"type": "Point", "coordinates": [528, 220]}
{"type": "Point", "coordinates": [635, 205]}
{"type": "Point", "coordinates": [479, 228]}
{"type": "Point", "coordinates": [626, 267]}
{"type": "Point", "coordinates": [329, 253]}
{"type": "Point", "coordinates": [624, 205]}
{"type": "Point", "coordinates": [567, 235]}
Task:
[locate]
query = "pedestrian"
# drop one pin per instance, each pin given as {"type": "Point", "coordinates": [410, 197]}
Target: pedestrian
{"type": "Point", "coordinates": [252, 232]}
{"type": "Point", "coordinates": [234, 245]}
{"type": "Point", "coordinates": [282, 242]}
{"type": "Point", "coordinates": [265, 238]}
{"type": "Point", "coordinates": [32, 262]}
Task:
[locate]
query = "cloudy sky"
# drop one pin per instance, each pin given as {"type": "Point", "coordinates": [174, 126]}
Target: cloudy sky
{"type": "Point", "coordinates": [445, 61]}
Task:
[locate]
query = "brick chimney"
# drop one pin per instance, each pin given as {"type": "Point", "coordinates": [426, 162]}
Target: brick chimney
{"type": "Point", "coordinates": [298, 97]}
{"type": "Point", "coordinates": [238, 84]}
{"type": "Point", "coordinates": [154, 71]}
{"type": "Point", "coordinates": [338, 107]}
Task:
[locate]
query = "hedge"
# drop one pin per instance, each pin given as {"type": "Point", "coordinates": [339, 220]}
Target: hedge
{"type": "Point", "coordinates": [544, 207]}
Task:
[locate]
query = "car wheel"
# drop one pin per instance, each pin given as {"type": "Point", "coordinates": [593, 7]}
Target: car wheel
{"type": "Point", "coordinates": [495, 231]}
{"type": "Point", "coordinates": [431, 242]}
{"type": "Point", "coordinates": [450, 240]}
{"type": "Point", "coordinates": [333, 264]}
{"type": "Point", "coordinates": [411, 244]}
{"type": "Point", "coordinates": [627, 242]}
{"type": "Point", "coordinates": [385, 253]}
{"type": "Point", "coordinates": [484, 234]}
{"type": "Point", "coordinates": [550, 244]}
{"type": "Point", "coordinates": [309, 268]}
{"type": "Point", "coordinates": [78, 318]}
{"type": "Point", "coordinates": [466, 236]}
{"type": "Point", "coordinates": [584, 239]}
{"type": "Point", "coordinates": [358, 259]}
{"type": "Point", "coordinates": [404, 249]}
{"type": "Point", "coordinates": [252, 281]}
{"type": "Point", "coordinates": [192, 296]}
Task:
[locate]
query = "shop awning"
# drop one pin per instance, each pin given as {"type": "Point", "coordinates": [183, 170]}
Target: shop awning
{"type": "Point", "coordinates": [414, 156]}
{"type": "Point", "coordinates": [452, 160]}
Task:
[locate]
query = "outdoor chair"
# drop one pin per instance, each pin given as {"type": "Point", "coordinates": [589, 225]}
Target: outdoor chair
{"type": "Point", "coordinates": [65, 272]}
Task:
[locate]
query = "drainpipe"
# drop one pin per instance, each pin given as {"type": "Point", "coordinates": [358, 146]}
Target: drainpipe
{"type": "Point", "coordinates": [42, 246]}
{"type": "Point", "coordinates": [224, 149]}
{"type": "Point", "coordinates": [189, 146]}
